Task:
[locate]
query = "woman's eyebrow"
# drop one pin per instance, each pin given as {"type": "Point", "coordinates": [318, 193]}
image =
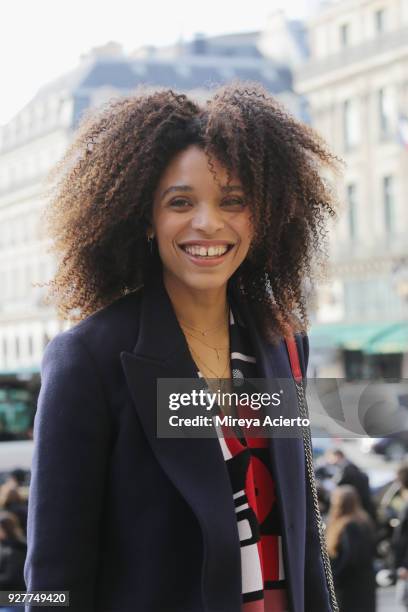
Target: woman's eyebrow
{"type": "Point", "coordinates": [172, 188]}
{"type": "Point", "coordinates": [176, 188]}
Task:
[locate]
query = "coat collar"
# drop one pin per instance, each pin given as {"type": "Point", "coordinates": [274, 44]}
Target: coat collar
{"type": "Point", "coordinates": [196, 466]}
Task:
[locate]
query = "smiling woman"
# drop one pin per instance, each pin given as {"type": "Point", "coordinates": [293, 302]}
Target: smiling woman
{"type": "Point", "coordinates": [184, 235]}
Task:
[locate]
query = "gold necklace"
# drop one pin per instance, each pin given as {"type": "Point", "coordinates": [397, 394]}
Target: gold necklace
{"type": "Point", "coordinates": [207, 366]}
{"type": "Point", "coordinates": [217, 349]}
{"type": "Point", "coordinates": [206, 331]}
{"type": "Point", "coordinates": [221, 383]}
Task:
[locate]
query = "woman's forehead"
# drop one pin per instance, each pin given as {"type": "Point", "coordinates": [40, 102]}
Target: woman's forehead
{"type": "Point", "coordinates": [194, 161]}
{"type": "Point", "coordinates": [192, 167]}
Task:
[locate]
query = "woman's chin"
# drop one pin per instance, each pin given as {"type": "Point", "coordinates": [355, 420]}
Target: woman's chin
{"type": "Point", "coordinates": [202, 282]}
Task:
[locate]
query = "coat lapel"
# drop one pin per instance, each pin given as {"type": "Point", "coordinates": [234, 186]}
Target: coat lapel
{"type": "Point", "coordinates": [195, 465]}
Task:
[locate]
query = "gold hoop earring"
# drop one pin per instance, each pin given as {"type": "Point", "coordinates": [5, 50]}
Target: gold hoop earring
{"type": "Point", "coordinates": [150, 239]}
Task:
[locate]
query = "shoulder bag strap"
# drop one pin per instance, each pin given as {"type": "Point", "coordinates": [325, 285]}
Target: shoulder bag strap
{"type": "Point", "coordinates": [307, 445]}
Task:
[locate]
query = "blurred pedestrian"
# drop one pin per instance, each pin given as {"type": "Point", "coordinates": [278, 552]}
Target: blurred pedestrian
{"type": "Point", "coordinates": [13, 550]}
{"type": "Point", "coordinates": [18, 476]}
{"type": "Point", "coordinates": [12, 501]}
{"type": "Point", "coordinates": [399, 542]}
{"type": "Point", "coordinates": [351, 546]}
{"type": "Point", "coordinates": [347, 473]}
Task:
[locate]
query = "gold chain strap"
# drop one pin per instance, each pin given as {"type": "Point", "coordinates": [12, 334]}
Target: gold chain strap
{"type": "Point", "coordinates": [307, 444]}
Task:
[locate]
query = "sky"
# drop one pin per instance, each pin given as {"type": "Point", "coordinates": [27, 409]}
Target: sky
{"type": "Point", "coordinates": [42, 39]}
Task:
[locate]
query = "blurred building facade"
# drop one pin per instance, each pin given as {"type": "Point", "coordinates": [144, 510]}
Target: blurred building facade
{"type": "Point", "coordinates": [37, 137]}
{"type": "Point", "coordinates": [356, 83]}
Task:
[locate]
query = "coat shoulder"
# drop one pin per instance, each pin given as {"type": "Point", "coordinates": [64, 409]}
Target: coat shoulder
{"type": "Point", "coordinates": [108, 331]}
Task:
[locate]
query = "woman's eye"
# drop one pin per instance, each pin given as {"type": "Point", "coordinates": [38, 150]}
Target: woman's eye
{"type": "Point", "coordinates": [179, 203]}
{"type": "Point", "coordinates": [234, 202]}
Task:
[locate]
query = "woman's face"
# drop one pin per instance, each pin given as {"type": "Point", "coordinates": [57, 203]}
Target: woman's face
{"type": "Point", "coordinates": [202, 226]}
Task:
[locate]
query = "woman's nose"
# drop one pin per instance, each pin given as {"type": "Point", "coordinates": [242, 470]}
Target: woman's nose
{"type": "Point", "coordinates": [208, 219]}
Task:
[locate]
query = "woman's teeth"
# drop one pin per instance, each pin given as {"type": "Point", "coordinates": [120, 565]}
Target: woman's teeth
{"type": "Point", "coordinates": [201, 251]}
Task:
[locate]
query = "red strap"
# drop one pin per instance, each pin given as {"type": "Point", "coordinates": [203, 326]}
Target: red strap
{"type": "Point", "coordinates": [294, 358]}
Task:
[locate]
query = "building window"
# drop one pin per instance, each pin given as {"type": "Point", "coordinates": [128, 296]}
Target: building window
{"type": "Point", "coordinates": [30, 346]}
{"type": "Point", "coordinates": [384, 112]}
{"type": "Point", "coordinates": [17, 345]}
{"type": "Point", "coordinates": [43, 271]}
{"type": "Point", "coordinates": [351, 127]}
{"type": "Point", "coordinates": [19, 283]}
{"type": "Point", "coordinates": [4, 350]}
{"type": "Point", "coordinates": [27, 279]}
{"type": "Point", "coordinates": [352, 211]}
{"type": "Point", "coordinates": [379, 21]}
{"type": "Point", "coordinates": [389, 204]}
{"type": "Point", "coordinates": [344, 35]}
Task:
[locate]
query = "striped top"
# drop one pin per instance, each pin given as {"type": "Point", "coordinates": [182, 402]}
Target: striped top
{"type": "Point", "coordinates": [253, 490]}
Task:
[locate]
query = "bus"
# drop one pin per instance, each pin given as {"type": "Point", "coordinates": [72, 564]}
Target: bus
{"type": "Point", "coordinates": [18, 401]}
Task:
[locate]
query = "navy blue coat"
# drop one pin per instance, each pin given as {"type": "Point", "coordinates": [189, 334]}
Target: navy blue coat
{"type": "Point", "coordinates": [128, 521]}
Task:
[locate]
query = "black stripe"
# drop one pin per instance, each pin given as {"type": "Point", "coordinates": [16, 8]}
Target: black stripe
{"type": "Point", "coordinates": [272, 585]}
{"type": "Point", "coordinates": [254, 596]}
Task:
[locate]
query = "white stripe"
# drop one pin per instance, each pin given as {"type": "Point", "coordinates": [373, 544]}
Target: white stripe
{"type": "Point", "coordinates": [243, 357]}
{"type": "Point", "coordinates": [242, 507]}
{"type": "Point", "coordinates": [244, 530]}
{"type": "Point", "coordinates": [239, 494]}
{"type": "Point", "coordinates": [231, 319]}
{"type": "Point", "coordinates": [250, 561]}
{"type": "Point", "coordinates": [225, 450]}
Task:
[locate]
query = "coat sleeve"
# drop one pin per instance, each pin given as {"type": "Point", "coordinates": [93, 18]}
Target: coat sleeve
{"type": "Point", "coordinates": [71, 447]}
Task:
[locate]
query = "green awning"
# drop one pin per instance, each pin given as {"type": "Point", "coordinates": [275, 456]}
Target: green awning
{"type": "Point", "coordinates": [371, 337]}
{"type": "Point", "coordinates": [393, 340]}
{"type": "Point", "coordinates": [21, 371]}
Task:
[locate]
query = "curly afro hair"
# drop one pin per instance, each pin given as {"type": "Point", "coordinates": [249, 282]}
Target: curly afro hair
{"type": "Point", "coordinates": [101, 195]}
